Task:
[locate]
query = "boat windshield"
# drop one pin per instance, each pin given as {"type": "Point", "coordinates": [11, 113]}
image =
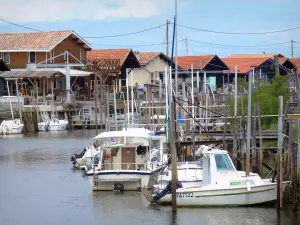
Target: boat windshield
{"type": "Point", "coordinates": [223, 163]}
{"type": "Point", "coordinates": [121, 141]}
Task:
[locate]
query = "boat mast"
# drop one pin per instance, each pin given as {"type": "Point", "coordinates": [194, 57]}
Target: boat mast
{"type": "Point", "coordinates": [11, 110]}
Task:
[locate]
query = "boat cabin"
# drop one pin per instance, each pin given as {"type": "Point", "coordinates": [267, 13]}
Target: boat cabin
{"type": "Point", "coordinates": [216, 166]}
{"type": "Point", "coordinates": [127, 150]}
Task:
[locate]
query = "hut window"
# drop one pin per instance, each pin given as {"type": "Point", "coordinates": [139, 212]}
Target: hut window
{"type": "Point", "coordinates": [81, 56]}
{"type": "Point", "coordinates": [6, 57]}
{"type": "Point", "coordinates": [32, 57]}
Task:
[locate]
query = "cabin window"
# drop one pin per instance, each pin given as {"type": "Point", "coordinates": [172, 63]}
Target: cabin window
{"type": "Point", "coordinates": [223, 163]}
{"type": "Point", "coordinates": [6, 57]}
{"type": "Point", "coordinates": [32, 57]}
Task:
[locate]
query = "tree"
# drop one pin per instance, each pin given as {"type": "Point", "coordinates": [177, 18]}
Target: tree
{"type": "Point", "coordinates": [266, 96]}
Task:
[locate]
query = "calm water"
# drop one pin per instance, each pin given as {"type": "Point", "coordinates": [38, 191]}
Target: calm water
{"type": "Point", "coordinates": [38, 186]}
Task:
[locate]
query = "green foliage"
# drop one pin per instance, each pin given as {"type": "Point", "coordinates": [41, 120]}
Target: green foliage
{"type": "Point", "coordinates": [266, 95]}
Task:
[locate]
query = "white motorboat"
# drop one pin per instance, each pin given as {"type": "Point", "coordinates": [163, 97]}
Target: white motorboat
{"type": "Point", "coordinates": [222, 185]}
{"type": "Point", "coordinates": [53, 124]}
{"type": "Point", "coordinates": [13, 126]}
{"type": "Point", "coordinates": [126, 160]}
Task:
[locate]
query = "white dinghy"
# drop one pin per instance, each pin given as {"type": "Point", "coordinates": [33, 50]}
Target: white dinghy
{"type": "Point", "coordinates": [53, 124]}
{"type": "Point", "coordinates": [222, 185]}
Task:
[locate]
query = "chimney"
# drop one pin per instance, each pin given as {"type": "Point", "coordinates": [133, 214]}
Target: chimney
{"type": "Point", "coordinates": [137, 54]}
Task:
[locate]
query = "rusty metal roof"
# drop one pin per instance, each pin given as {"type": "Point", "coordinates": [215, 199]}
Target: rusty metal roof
{"type": "Point", "coordinates": [29, 74]}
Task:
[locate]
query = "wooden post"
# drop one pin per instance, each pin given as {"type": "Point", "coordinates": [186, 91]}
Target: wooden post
{"type": "Point", "coordinates": [107, 127]}
{"type": "Point", "coordinates": [261, 155]}
{"type": "Point", "coordinates": [95, 98]}
{"type": "Point", "coordinates": [224, 130]}
{"type": "Point", "coordinates": [44, 90]}
{"type": "Point", "coordinates": [102, 91]}
{"type": "Point", "coordinates": [249, 125]}
{"type": "Point", "coordinates": [279, 155]}
{"type": "Point", "coordinates": [254, 151]}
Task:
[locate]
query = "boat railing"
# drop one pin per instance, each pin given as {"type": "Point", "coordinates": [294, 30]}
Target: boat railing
{"type": "Point", "coordinates": [128, 166]}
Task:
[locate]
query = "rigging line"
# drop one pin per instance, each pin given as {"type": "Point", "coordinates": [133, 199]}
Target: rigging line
{"type": "Point", "coordinates": [155, 44]}
{"type": "Point", "coordinates": [204, 108]}
{"type": "Point", "coordinates": [126, 34]}
{"type": "Point", "coordinates": [240, 33]}
{"type": "Point", "coordinates": [195, 120]}
{"type": "Point", "coordinates": [18, 25]}
{"type": "Point", "coordinates": [238, 46]}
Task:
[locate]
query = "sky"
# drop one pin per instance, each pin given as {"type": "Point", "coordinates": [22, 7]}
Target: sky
{"type": "Point", "coordinates": [99, 18]}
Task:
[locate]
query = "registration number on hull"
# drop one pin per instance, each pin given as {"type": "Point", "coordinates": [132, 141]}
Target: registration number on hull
{"type": "Point", "coordinates": [185, 195]}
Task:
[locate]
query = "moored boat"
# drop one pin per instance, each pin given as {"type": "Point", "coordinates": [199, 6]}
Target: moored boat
{"type": "Point", "coordinates": [222, 185]}
{"type": "Point", "coordinates": [126, 161]}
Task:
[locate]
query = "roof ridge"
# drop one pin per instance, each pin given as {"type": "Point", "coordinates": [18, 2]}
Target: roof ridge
{"type": "Point", "coordinates": [52, 31]}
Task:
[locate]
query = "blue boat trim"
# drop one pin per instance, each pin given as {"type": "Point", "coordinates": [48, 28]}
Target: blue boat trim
{"type": "Point", "coordinates": [121, 172]}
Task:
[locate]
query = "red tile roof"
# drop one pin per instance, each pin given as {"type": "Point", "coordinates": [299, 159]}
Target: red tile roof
{"type": "Point", "coordinates": [146, 57]}
{"type": "Point", "coordinates": [198, 62]}
{"type": "Point", "coordinates": [296, 62]}
{"type": "Point", "coordinates": [244, 64]}
{"type": "Point", "coordinates": [109, 54]}
{"type": "Point", "coordinates": [255, 55]}
{"type": "Point", "coordinates": [35, 41]}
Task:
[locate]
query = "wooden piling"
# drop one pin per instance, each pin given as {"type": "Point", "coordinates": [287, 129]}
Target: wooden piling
{"type": "Point", "coordinates": [261, 154]}
{"type": "Point", "coordinates": [279, 155]}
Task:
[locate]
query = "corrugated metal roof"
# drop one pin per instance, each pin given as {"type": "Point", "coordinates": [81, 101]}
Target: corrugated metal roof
{"type": "Point", "coordinates": [29, 74]}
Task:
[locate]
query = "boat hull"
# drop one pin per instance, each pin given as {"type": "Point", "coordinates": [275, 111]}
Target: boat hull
{"type": "Point", "coordinates": [131, 180]}
{"type": "Point", "coordinates": [262, 194]}
{"type": "Point", "coordinates": [11, 127]}
{"type": "Point", "coordinates": [62, 125]}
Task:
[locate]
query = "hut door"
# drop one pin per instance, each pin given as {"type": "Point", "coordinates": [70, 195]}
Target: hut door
{"type": "Point", "coordinates": [128, 158]}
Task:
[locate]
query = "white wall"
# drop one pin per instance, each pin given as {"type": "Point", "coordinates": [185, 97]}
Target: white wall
{"type": "Point", "coordinates": [143, 75]}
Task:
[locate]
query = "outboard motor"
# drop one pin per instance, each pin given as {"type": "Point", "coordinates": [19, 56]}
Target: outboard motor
{"type": "Point", "coordinates": [75, 156]}
{"type": "Point", "coordinates": [167, 190]}
{"type": "Point", "coordinates": [119, 187]}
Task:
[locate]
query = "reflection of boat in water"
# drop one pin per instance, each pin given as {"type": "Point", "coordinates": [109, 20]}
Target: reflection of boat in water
{"type": "Point", "coordinates": [222, 185]}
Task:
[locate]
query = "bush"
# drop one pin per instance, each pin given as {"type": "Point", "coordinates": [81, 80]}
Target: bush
{"type": "Point", "coordinates": [267, 96]}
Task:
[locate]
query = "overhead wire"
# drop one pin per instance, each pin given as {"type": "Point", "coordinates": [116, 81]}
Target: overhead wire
{"type": "Point", "coordinates": [6, 21]}
{"type": "Point", "coordinates": [145, 45]}
{"type": "Point", "coordinates": [239, 33]}
{"type": "Point", "coordinates": [126, 34]}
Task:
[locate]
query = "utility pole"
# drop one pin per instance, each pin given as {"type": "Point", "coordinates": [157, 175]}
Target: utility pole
{"type": "Point", "coordinates": [276, 59]}
{"type": "Point", "coordinates": [167, 37]}
{"type": "Point", "coordinates": [292, 48]}
{"type": "Point", "coordinates": [186, 46]}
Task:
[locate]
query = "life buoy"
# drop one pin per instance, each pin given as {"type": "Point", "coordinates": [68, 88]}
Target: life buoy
{"type": "Point", "coordinates": [107, 156]}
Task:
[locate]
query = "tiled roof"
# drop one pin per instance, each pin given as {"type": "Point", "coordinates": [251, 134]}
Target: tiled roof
{"type": "Point", "coordinates": [296, 62]}
{"type": "Point", "coordinates": [255, 55]}
{"type": "Point", "coordinates": [146, 57]}
{"type": "Point", "coordinates": [109, 54]}
{"type": "Point", "coordinates": [198, 62]}
{"type": "Point", "coordinates": [244, 64]}
{"type": "Point", "coordinates": [36, 41]}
